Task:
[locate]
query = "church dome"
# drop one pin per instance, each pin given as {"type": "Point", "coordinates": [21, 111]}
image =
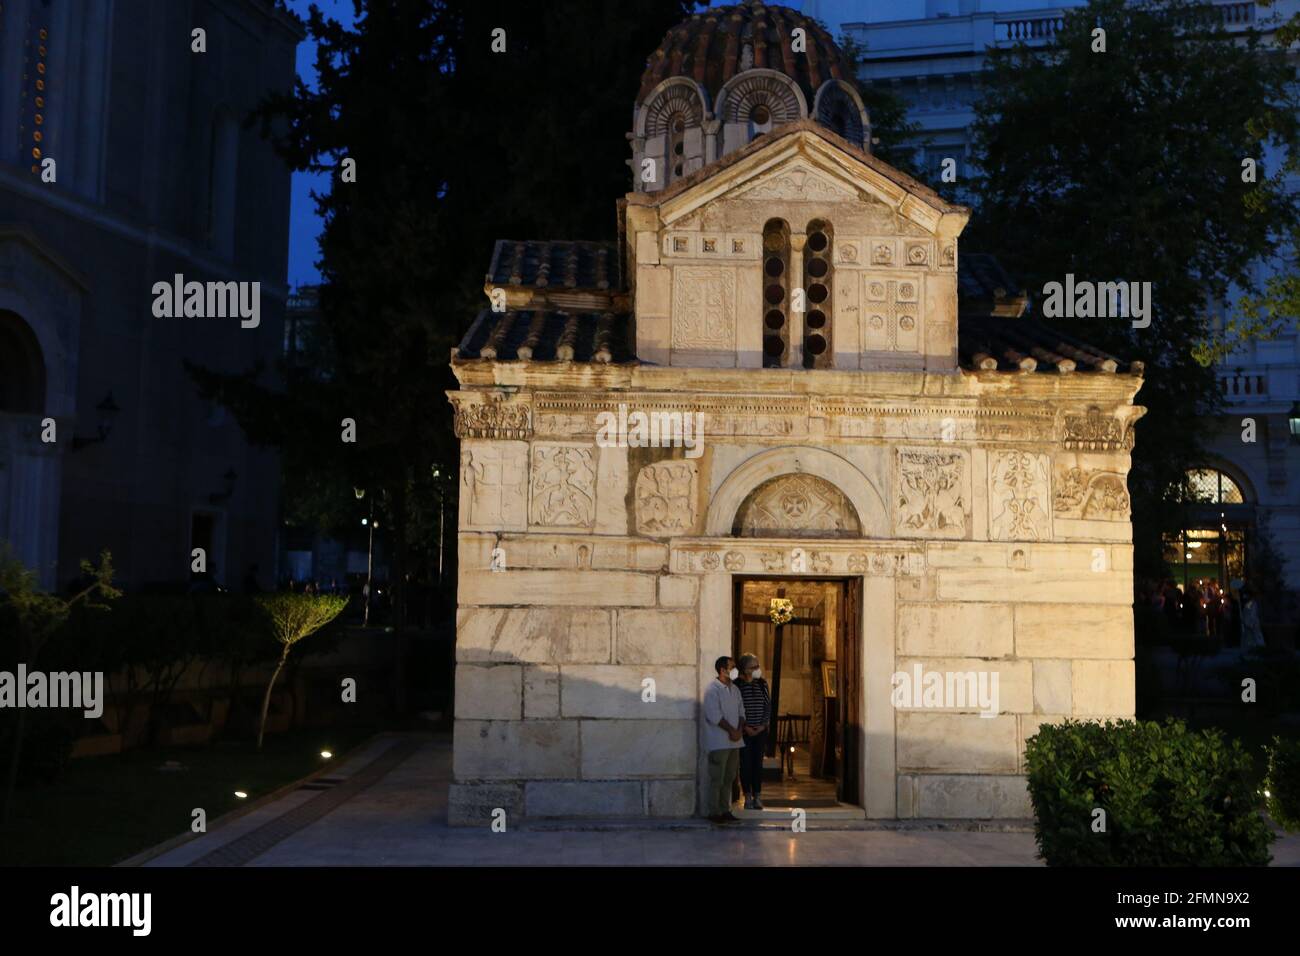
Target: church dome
{"type": "Point", "coordinates": [730, 74]}
{"type": "Point", "coordinates": [715, 45]}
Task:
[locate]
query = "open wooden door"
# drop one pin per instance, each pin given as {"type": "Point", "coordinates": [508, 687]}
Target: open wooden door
{"type": "Point", "coordinates": [849, 669]}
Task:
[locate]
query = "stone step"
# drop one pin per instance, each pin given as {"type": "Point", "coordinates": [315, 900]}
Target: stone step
{"type": "Point", "coordinates": [782, 814]}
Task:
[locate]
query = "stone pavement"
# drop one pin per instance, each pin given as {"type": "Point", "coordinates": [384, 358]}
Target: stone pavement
{"type": "Point", "coordinates": [386, 806]}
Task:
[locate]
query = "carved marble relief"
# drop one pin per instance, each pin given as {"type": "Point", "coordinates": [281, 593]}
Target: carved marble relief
{"type": "Point", "coordinates": [1091, 494]}
{"type": "Point", "coordinates": [891, 312]}
{"type": "Point", "coordinates": [494, 484]}
{"type": "Point", "coordinates": [493, 417]}
{"type": "Point", "coordinates": [704, 308]}
{"type": "Point", "coordinates": [563, 486]}
{"type": "Point", "coordinates": [797, 506]}
{"type": "Point", "coordinates": [665, 498]}
{"type": "Point", "coordinates": [1095, 431]}
{"type": "Point", "coordinates": [1019, 496]}
{"type": "Point", "coordinates": [797, 182]}
{"type": "Point", "coordinates": [933, 497]}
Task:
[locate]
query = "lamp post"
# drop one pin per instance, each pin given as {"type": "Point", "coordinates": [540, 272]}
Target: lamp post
{"type": "Point", "coordinates": [437, 477]}
{"type": "Point", "coordinates": [107, 410]}
{"type": "Point", "coordinates": [370, 555]}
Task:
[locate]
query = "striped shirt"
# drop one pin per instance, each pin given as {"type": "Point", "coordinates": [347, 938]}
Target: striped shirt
{"type": "Point", "coordinates": [757, 702]}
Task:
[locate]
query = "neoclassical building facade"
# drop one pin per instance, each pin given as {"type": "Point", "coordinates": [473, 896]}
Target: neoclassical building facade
{"type": "Point", "coordinates": [105, 443]}
{"type": "Point", "coordinates": [937, 483]}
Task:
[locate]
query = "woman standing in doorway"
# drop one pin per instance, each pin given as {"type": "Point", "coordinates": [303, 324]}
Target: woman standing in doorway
{"type": "Point", "coordinates": [758, 715]}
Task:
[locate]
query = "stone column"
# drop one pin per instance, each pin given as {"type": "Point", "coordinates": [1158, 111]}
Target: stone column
{"type": "Point", "coordinates": [797, 240]}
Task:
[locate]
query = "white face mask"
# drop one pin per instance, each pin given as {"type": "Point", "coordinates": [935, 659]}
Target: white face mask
{"type": "Point", "coordinates": [734, 673]}
{"type": "Point", "coordinates": [758, 672]}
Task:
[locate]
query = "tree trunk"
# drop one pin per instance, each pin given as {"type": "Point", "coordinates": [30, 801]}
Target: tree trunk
{"type": "Point", "coordinates": [266, 701]}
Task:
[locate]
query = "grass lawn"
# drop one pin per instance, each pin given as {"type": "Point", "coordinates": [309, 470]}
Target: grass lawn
{"type": "Point", "coordinates": [105, 809]}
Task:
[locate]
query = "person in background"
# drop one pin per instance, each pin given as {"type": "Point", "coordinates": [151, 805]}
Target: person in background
{"type": "Point", "coordinates": [1252, 635]}
{"type": "Point", "coordinates": [758, 715]}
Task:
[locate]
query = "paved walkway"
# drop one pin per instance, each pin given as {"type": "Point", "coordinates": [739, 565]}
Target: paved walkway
{"type": "Point", "coordinates": [386, 806]}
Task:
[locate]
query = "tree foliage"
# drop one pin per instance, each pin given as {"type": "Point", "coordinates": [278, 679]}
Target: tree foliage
{"type": "Point", "coordinates": [1127, 165]}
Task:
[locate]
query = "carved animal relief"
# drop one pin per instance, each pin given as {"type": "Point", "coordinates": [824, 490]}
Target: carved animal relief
{"type": "Point", "coordinates": [1095, 495]}
{"type": "Point", "coordinates": [665, 498]}
{"type": "Point", "coordinates": [933, 493]}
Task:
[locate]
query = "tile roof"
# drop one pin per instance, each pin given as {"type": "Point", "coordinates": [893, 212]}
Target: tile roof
{"type": "Point", "coordinates": [548, 336]}
{"type": "Point", "coordinates": [557, 264]}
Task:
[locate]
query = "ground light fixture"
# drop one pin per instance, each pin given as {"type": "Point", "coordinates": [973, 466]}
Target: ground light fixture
{"type": "Point", "coordinates": [326, 754]}
{"type": "Point", "coordinates": [241, 794]}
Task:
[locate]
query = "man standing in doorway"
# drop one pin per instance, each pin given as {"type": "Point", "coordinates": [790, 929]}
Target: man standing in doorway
{"type": "Point", "coordinates": [723, 709]}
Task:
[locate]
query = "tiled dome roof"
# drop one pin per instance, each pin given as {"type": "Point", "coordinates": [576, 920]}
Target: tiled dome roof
{"type": "Point", "coordinates": [710, 48]}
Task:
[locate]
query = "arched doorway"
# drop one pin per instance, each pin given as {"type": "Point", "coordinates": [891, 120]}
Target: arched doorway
{"type": "Point", "coordinates": [22, 367]}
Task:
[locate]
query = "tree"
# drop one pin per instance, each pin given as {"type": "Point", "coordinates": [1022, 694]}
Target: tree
{"type": "Point", "coordinates": [455, 146]}
{"type": "Point", "coordinates": [31, 617]}
{"type": "Point", "coordinates": [1127, 165]}
{"type": "Point", "coordinates": [293, 617]}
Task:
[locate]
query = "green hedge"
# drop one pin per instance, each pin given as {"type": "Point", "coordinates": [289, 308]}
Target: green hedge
{"type": "Point", "coordinates": [1171, 796]}
{"type": "Point", "coordinates": [1282, 785]}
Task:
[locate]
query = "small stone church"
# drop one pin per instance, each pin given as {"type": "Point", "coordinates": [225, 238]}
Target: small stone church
{"type": "Point", "coordinates": [933, 483]}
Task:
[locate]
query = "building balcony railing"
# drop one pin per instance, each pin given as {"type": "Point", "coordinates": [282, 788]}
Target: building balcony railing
{"type": "Point", "coordinates": [1241, 385]}
{"type": "Point", "coordinates": [1027, 29]}
{"type": "Point", "coordinates": [1040, 29]}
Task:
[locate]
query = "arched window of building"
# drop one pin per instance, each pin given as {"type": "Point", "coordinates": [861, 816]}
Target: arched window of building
{"type": "Point", "coordinates": [22, 367]}
{"type": "Point", "coordinates": [776, 294]}
{"type": "Point", "coordinates": [817, 281]}
{"type": "Point", "coordinates": [1211, 486]}
{"type": "Point", "coordinates": [1208, 554]}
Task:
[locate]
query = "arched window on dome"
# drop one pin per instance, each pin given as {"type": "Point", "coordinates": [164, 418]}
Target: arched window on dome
{"type": "Point", "coordinates": [776, 294]}
{"type": "Point", "coordinates": [839, 108]}
{"type": "Point", "coordinates": [817, 273]}
{"type": "Point", "coordinates": [756, 102]}
{"type": "Point", "coordinates": [669, 133]}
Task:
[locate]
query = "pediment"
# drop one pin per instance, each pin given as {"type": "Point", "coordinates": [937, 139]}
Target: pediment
{"type": "Point", "coordinates": [803, 165]}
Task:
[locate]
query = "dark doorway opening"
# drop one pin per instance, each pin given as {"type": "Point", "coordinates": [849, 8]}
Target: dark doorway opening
{"type": "Point", "coordinates": [812, 665]}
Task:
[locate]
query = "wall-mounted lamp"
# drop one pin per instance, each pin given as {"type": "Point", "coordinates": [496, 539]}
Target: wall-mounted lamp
{"type": "Point", "coordinates": [1293, 421]}
{"type": "Point", "coordinates": [107, 411]}
{"type": "Point", "coordinates": [228, 484]}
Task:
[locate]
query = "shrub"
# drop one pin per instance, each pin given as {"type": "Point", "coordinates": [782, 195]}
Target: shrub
{"type": "Point", "coordinates": [1170, 796]}
{"type": "Point", "coordinates": [1282, 783]}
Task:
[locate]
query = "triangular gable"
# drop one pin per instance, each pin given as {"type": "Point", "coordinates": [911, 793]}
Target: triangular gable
{"type": "Point", "coordinates": [814, 161]}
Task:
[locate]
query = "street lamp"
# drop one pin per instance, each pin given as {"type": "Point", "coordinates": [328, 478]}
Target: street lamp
{"type": "Point", "coordinates": [107, 410]}
{"type": "Point", "coordinates": [437, 476]}
{"type": "Point", "coordinates": [370, 555]}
